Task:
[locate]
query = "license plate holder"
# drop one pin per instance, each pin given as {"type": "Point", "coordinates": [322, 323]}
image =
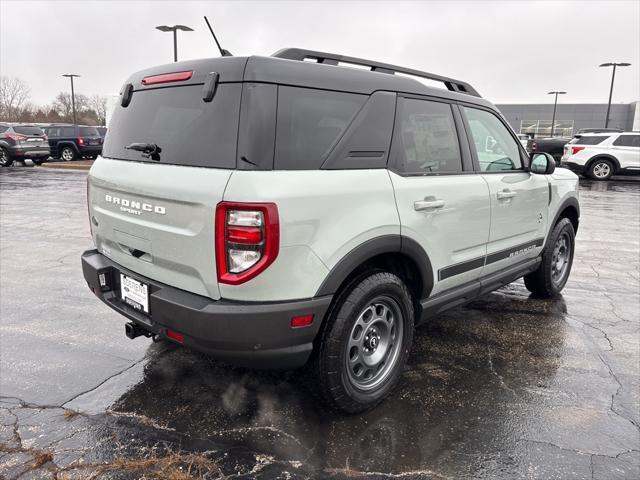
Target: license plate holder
{"type": "Point", "coordinates": [135, 294]}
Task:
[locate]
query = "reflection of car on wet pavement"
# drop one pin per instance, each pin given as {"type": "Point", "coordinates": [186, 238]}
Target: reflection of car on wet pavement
{"type": "Point", "coordinates": [508, 386]}
{"type": "Point", "coordinates": [335, 223]}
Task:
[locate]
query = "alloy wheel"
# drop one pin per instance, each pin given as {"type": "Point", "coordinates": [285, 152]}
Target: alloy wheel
{"type": "Point", "coordinates": [601, 170]}
{"type": "Point", "coordinates": [67, 154]}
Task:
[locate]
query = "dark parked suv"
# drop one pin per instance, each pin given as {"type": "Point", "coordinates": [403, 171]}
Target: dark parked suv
{"type": "Point", "coordinates": [70, 142]}
{"type": "Point", "coordinates": [20, 142]}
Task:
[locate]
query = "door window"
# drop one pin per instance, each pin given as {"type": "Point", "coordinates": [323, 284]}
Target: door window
{"type": "Point", "coordinates": [627, 141]}
{"type": "Point", "coordinates": [427, 138]}
{"type": "Point", "coordinates": [496, 148]}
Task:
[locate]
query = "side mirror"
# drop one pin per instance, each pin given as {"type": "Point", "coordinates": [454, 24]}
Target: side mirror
{"type": "Point", "coordinates": [542, 163]}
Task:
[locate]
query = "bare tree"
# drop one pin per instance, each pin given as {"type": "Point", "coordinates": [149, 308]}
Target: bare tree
{"type": "Point", "coordinates": [14, 94]}
{"type": "Point", "coordinates": [98, 104]}
{"type": "Point", "coordinates": [63, 105]}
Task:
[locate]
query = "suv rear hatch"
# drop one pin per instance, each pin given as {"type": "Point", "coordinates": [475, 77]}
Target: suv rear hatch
{"type": "Point", "coordinates": [154, 212]}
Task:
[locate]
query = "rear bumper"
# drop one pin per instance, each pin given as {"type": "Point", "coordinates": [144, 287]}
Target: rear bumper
{"type": "Point", "coordinates": [573, 166]}
{"type": "Point", "coordinates": [90, 150]}
{"type": "Point", "coordinates": [256, 335]}
{"type": "Point", "coordinates": [28, 152]}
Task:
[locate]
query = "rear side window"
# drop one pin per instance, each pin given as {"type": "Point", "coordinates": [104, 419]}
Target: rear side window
{"type": "Point", "coordinates": [589, 140]}
{"type": "Point", "coordinates": [33, 131]}
{"type": "Point", "coordinates": [188, 130]}
{"type": "Point", "coordinates": [88, 132]}
{"type": "Point", "coordinates": [68, 132]}
{"type": "Point", "coordinates": [309, 123]}
{"type": "Point", "coordinates": [53, 132]}
{"type": "Point", "coordinates": [627, 141]}
{"type": "Point", "coordinates": [427, 138]}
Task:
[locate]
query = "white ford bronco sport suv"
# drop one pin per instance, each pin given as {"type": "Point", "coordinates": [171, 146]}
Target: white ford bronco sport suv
{"type": "Point", "coordinates": [290, 210]}
{"type": "Point", "coordinates": [602, 155]}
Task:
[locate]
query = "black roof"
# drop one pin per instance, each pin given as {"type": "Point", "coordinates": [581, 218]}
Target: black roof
{"type": "Point", "coordinates": [287, 67]}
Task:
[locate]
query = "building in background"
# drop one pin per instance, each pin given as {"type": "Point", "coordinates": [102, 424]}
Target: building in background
{"type": "Point", "coordinates": [535, 119]}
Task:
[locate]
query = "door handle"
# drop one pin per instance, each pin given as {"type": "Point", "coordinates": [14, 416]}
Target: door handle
{"type": "Point", "coordinates": [505, 194]}
{"type": "Point", "coordinates": [429, 203]}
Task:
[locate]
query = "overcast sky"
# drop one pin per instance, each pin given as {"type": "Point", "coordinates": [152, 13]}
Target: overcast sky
{"type": "Point", "coordinates": [510, 51]}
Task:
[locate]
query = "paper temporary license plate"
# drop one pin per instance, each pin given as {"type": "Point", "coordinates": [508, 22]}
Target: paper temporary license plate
{"type": "Point", "coordinates": [134, 293]}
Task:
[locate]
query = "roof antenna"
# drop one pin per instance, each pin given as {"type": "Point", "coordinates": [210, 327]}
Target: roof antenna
{"type": "Point", "coordinates": [223, 52]}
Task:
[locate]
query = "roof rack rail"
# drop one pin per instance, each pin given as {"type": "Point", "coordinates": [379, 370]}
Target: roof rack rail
{"type": "Point", "coordinates": [333, 59]}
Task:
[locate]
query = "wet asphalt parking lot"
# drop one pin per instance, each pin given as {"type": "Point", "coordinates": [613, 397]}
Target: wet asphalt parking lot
{"type": "Point", "coordinates": [505, 387]}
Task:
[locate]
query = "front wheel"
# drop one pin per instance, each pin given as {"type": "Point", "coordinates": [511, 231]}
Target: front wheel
{"type": "Point", "coordinates": [557, 257]}
{"type": "Point", "coordinates": [601, 170]}
{"type": "Point", "coordinates": [5, 161]}
{"type": "Point", "coordinates": [38, 161]}
{"type": "Point", "coordinates": [365, 343]}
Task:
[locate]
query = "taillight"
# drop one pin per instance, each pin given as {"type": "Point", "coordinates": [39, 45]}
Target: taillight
{"type": "Point", "coordinates": [80, 141]}
{"type": "Point", "coordinates": [247, 240]}
{"type": "Point", "coordinates": [16, 136]}
{"type": "Point", "coordinates": [575, 150]}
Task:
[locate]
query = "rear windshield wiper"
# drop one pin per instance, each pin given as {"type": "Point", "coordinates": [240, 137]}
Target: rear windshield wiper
{"type": "Point", "coordinates": [148, 150]}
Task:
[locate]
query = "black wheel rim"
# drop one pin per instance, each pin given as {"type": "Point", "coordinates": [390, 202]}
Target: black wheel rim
{"type": "Point", "coordinates": [374, 343]}
{"type": "Point", "coordinates": [560, 259]}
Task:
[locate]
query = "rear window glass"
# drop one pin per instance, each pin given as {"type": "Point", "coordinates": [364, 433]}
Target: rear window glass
{"type": "Point", "coordinates": [188, 130]}
{"type": "Point", "coordinates": [590, 140]}
{"type": "Point", "coordinates": [89, 132]}
{"type": "Point", "coordinates": [36, 131]}
{"type": "Point", "coordinates": [309, 123]}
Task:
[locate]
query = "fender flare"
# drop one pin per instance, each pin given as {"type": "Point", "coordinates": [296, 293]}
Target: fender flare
{"type": "Point", "coordinates": [569, 202]}
{"type": "Point", "coordinates": [372, 248]}
{"type": "Point", "coordinates": [606, 156]}
{"type": "Point", "coordinates": [67, 143]}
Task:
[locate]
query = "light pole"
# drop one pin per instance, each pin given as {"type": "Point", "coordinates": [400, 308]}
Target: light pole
{"type": "Point", "coordinates": [613, 77]}
{"type": "Point", "coordinates": [174, 29]}
{"type": "Point", "coordinates": [555, 104]}
{"type": "Point", "coordinates": [73, 95]}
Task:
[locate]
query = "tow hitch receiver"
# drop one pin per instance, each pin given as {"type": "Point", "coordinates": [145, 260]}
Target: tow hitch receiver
{"type": "Point", "coordinates": [132, 330]}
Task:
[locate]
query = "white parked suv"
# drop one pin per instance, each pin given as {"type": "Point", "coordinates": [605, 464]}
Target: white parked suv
{"type": "Point", "coordinates": [601, 155]}
{"type": "Point", "coordinates": [290, 211]}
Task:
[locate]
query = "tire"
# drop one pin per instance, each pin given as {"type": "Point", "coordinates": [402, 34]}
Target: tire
{"type": "Point", "coordinates": [5, 160]}
{"type": "Point", "coordinates": [552, 274]}
{"type": "Point", "coordinates": [38, 161]}
{"type": "Point", "coordinates": [91, 157]}
{"type": "Point", "coordinates": [68, 154]}
{"type": "Point", "coordinates": [365, 342]}
{"type": "Point", "coordinates": [601, 169]}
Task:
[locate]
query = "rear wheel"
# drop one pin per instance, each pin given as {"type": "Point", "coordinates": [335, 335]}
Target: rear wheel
{"type": "Point", "coordinates": [365, 343]}
{"type": "Point", "coordinates": [5, 161]}
{"type": "Point", "coordinates": [38, 161]}
{"type": "Point", "coordinates": [90, 157]}
{"type": "Point", "coordinates": [68, 154]}
{"type": "Point", "coordinates": [557, 257]}
{"type": "Point", "coordinates": [601, 169]}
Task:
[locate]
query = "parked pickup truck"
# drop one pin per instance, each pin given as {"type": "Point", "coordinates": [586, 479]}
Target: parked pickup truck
{"type": "Point", "coordinates": [552, 146]}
